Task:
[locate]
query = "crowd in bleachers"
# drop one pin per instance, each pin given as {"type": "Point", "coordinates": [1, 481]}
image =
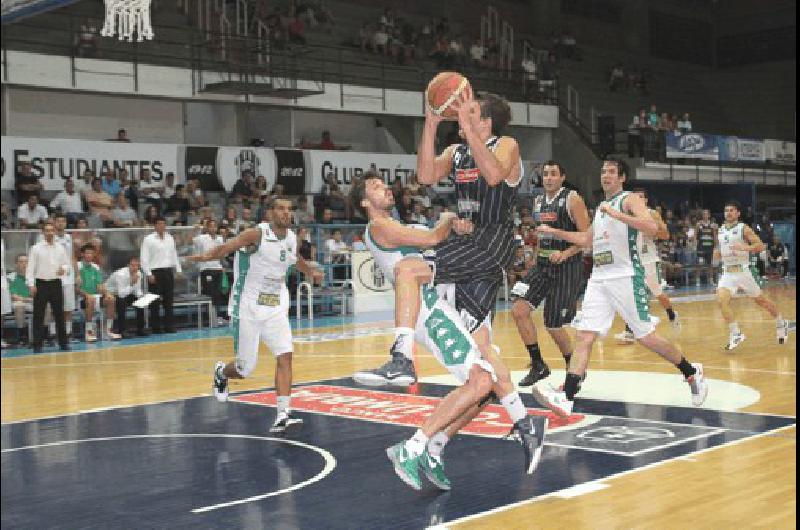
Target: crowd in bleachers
{"type": "Point", "coordinates": [647, 129]}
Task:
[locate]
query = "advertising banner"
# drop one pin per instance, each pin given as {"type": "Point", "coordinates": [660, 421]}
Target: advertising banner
{"type": "Point", "coordinates": [781, 152]}
{"type": "Point", "coordinates": [692, 145]}
{"type": "Point", "coordinates": [200, 163]}
{"type": "Point", "coordinates": [54, 160]}
{"type": "Point", "coordinates": [734, 149]}
{"type": "Point", "coordinates": [291, 170]}
{"type": "Point", "coordinates": [233, 162]}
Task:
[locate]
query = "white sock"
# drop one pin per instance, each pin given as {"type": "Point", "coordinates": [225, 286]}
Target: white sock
{"type": "Point", "coordinates": [734, 328]}
{"type": "Point", "coordinates": [513, 405]}
{"type": "Point", "coordinates": [416, 444]}
{"type": "Point", "coordinates": [779, 320]}
{"type": "Point", "coordinates": [437, 442]}
{"type": "Point", "coordinates": [68, 325]}
{"type": "Point", "coordinates": [283, 404]}
{"type": "Point", "coordinates": [404, 342]}
{"type": "Point", "coordinates": [109, 324]}
{"type": "Point", "coordinates": [51, 327]}
{"type": "Point", "coordinates": [90, 326]}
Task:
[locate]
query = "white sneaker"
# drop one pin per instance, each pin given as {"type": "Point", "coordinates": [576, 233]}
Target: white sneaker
{"type": "Point", "coordinates": [735, 340]}
{"type": "Point", "coordinates": [625, 337]}
{"type": "Point", "coordinates": [783, 331]}
{"type": "Point", "coordinates": [698, 385]}
{"type": "Point", "coordinates": [91, 336]}
{"type": "Point", "coordinates": [554, 400]}
{"type": "Point", "coordinates": [285, 423]}
{"type": "Point", "coordinates": [220, 383]}
{"type": "Point", "coordinates": [114, 336]}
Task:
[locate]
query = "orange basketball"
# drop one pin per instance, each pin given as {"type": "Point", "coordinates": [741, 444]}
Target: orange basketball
{"type": "Point", "coordinates": [442, 91]}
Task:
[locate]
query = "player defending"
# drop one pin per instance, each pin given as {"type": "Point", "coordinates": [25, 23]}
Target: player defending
{"type": "Point", "coordinates": [616, 285]}
{"type": "Point", "coordinates": [439, 327]}
{"type": "Point", "coordinates": [556, 278]}
{"type": "Point", "coordinates": [735, 242]}
{"type": "Point", "coordinates": [259, 304]}
{"type": "Point", "coordinates": [648, 251]}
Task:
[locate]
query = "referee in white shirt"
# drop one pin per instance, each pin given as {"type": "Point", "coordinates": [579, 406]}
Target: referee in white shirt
{"type": "Point", "coordinates": [47, 263]}
{"type": "Point", "coordinates": [159, 257]}
{"type": "Point", "coordinates": [125, 285]}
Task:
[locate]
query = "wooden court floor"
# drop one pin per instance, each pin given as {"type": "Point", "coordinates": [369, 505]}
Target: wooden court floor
{"type": "Point", "coordinates": [747, 484]}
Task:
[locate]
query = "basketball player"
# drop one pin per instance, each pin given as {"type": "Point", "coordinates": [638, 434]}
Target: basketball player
{"type": "Point", "coordinates": [439, 327]}
{"type": "Point", "coordinates": [706, 230]}
{"type": "Point", "coordinates": [648, 252]}
{"type": "Point", "coordinates": [616, 285]}
{"type": "Point", "coordinates": [556, 278]}
{"type": "Point", "coordinates": [259, 304]}
{"type": "Point", "coordinates": [735, 242]}
{"type": "Point", "coordinates": [486, 169]}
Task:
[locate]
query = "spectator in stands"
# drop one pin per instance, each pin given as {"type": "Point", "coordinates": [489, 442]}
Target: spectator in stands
{"type": "Point", "coordinates": [86, 40]}
{"type": "Point", "coordinates": [548, 77]}
{"type": "Point", "coordinates": [380, 41]}
{"type": "Point", "coordinates": [123, 215]}
{"type": "Point", "coordinates": [297, 31]}
{"type": "Point", "coordinates": [110, 184]}
{"type": "Point", "coordinates": [327, 143]}
{"type": "Point", "coordinates": [26, 184]}
{"type": "Point", "coordinates": [664, 122]}
{"type": "Point", "coordinates": [334, 199]}
{"type": "Point", "coordinates": [84, 184]}
{"type": "Point", "coordinates": [211, 272]}
{"type": "Point", "coordinates": [337, 253]}
{"type": "Point", "coordinates": [169, 185]}
{"type": "Point", "coordinates": [417, 215]}
{"type": "Point", "coordinates": [327, 217]}
{"type": "Point", "coordinates": [685, 124]}
{"type": "Point", "coordinates": [652, 117]}
{"type": "Point", "coordinates": [260, 187]}
{"type": "Point", "coordinates": [616, 79]}
{"type": "Point", "coordinates": [122, 136]}
{"type": "Point", "coordinates": [230, 220]}
{"type": "Point", "coordinates": [68, 202]}
{"type": "Point", "coordinates": [243, 188]}
{"type": "Point", "coordinates": [246, 220]}
{"type": "Point", "coordinates": [124, 287]}
{"type": "Point", "coordinates": [100, 202]}
{"type": "Point", "coordinates": [531, 80]}
{"type": "Point", "coordinates": [21, 298]}
{"type": "Point", "coordinates": [178, 205]}
{"type": "Point", "coordinates": [455, 51]}
{"type": "Point", "coordinates": [439, 52]}
{"type": "Point", "coordinates": [301, 214]}
{"type": "Point", "coordinates": [778, 256]}
{"type": "Point", "coordinates": [194, 194]}
{"type": "Point", "coordinates": [477, 55]}
{"type": "Point", "coordinates": [150, 215]}
{"type": "Point", "coordinates": [31, 214]}
{"type": "Point", "coordinates": [635, 134]}
{"type": "Point", "coordinates": [152, 191]}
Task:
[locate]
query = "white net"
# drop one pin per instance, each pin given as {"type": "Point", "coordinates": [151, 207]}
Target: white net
{"type": "Point", "coordinates": [128, 19]}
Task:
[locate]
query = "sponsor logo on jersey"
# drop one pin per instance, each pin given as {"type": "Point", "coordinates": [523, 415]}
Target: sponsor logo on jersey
{"type": "Point", "coordinates": [467, 175]}
{"type": "Point", "coordinates": [397, 409]}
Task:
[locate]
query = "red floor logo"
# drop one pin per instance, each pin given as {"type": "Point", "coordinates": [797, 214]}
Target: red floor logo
{"type": "Point", "coordinates": [389, 407]}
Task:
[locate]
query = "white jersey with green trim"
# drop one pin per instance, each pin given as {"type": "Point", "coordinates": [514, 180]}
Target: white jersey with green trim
{"type": "Point", "coordinates": [259, 275]}
{"type": "Point", "coordinates": [727, 237]}
{"type": "Point", "coordinates": [614, 245]}
{"type": "Point", "coordinates": [648, 251]}
{"type": "Point", "coordinates": [387, 258]}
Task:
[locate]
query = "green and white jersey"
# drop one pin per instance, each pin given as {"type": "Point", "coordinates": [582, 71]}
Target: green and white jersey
{"type": "Point", "coordinates": [260, 275]}
{"type": "Point", "coordinates": [648, 252]}
{"type": "Point", "coordinates": [614, 247]}
{"type": "Point", "coordinates": [735, 260]}
{"type": "Point", "coordinates": [387, 258]}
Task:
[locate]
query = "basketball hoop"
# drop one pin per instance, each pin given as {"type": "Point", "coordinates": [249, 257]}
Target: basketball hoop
{"type": "Point", "coordinates": [126, 18]}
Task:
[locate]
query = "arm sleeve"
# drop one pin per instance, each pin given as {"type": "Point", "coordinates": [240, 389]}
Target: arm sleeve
{"type": "Point", "coordinates": [30, 271]}
{"type": "Point", "coordinates": [144, 257]}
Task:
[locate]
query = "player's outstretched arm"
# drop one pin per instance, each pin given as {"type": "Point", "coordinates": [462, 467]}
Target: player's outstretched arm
{"type": "Point", "coordinates": [251, 236]}
{"type": "Point", "coordinates": [392, 234]}
{"type": "Point", "coordinates": [580, 239]}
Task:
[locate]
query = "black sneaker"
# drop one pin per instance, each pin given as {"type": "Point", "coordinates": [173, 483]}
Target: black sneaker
{"type": "Point", "coordinates": [538, 371]}
{"type": "Point", "coordinates": [285, 423]}
{"type": "Point", "coordinates": [530, 432]}
{"type": "Point", "coordinates": [220, 384]}
{"type": "Point", "coordinates": [399, 371]}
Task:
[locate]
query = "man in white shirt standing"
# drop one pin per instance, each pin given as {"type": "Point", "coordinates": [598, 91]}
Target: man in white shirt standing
{"type": "Point", "coordinates": [47, 264]}
{"type": "Point", "coordinates": [31, 213]}
{"type": "Point", "coordinates": [125, 286]}
{"type": "Point", "coordinates": [68, 202]}
{"type": "Point", "coordinates": [159, 257]}
{"type": "Point", "coordinates": [211, 272]}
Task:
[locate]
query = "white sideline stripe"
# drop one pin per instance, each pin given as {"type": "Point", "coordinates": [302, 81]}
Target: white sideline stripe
{"type": "Point", "coordinates": [580, 489]}
{"type": "Point", "coordinates": [330, 461]}
{"type": "Point", "coordinates": [555, 494]}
